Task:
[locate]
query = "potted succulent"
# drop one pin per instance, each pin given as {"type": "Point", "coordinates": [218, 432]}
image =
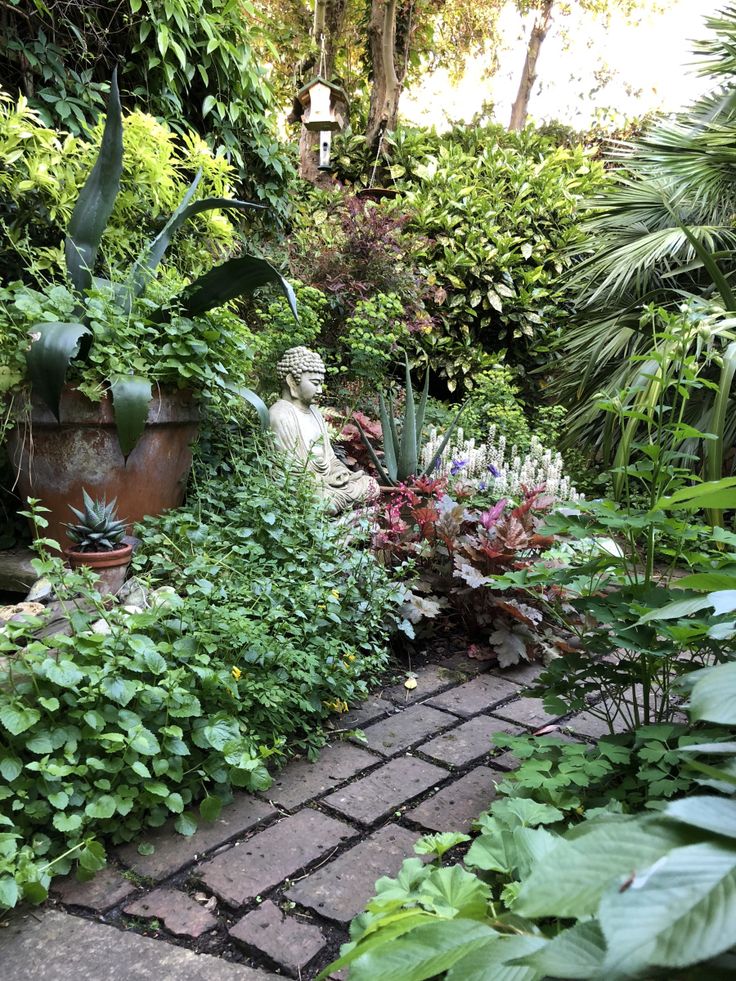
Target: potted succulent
{"type": "Point", "coordinates": [115, 366]}
{"type": "Point", "coordinates": [98, 543]}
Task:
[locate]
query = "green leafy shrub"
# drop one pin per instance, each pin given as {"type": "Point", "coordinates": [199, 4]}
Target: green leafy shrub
{"type": "Point", "coordinates": [493, 215]}
{"type": "Point", "coordinates": [496, 401]}
{"type": "Point", "coordinates": [640, 769]}
{"type": "Point", "coordinates": [274, 330]}
{"type": "Point", "coordinates": [268, 621]}
{"type": "Point", "coordinates": [193, 64]}
{"type": "Point", "coordinates": [44, 170]}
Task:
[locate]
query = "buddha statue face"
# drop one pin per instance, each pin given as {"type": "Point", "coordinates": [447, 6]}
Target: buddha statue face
{"type": "Point", "coordinates": [305, 388]}
{"type": "Point", "coordinates": [302, 374]}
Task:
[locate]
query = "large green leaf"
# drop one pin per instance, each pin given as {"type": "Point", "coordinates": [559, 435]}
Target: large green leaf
{"type": "Point", "coordinates": [714, 449]}
{"type": "Point", "coordinates": [679, 912]}
{"type": "Point", "coordinates": [717, 814]}
{"type": "Point", "coordinates": [710, 494]}
{"type": "Point", "coordinates": [408, 462]}
{"type": "Point", "coordinates": [424, 953]}
{"type": "Point", "coordinates": [574, 953]}
{"type": "Point", "coordinates": [713, 697]}
{"type": "Point", "coordinates": [676, 609]}
{"type": "Point", "coordinates": [707, 581]}
{"type": "Point", "coordinates": [154, 253]}
{"type": "Point", "coordinates": [387, 477]}
{"type": "Point", "coordinates": [257, 402]}
{"type": "Point", "coordinates": [495, 961]}
{"type": "Point", "coordinates": [244, 274]}
{"type": "Point", "coordinates": [131, 398]}
{"type": "Point", "coordinates": [571, 878]}
{"type": "Point", "coordinates": [453, 891]}
{"type": "Point", "coordinates": [54, 345]}
{"type": "Point", "coordinates": [422, 408]}
{"type": "Point", "coordinates": [390, 438]}
{"type": "Point", "coordinates": [97, 198]}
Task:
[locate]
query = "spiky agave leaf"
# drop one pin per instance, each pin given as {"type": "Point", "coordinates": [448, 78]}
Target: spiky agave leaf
{"type": "Point", "coordinates": [99, 528]}
{"type": "Point", "coordinates": [97, 198]}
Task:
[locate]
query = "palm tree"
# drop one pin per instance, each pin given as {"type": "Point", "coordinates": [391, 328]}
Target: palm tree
{"type": "Point", "coordinates": [664, 233]}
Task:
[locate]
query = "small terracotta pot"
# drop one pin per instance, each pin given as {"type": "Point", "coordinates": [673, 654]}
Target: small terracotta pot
{"type": "Point", "coordinates": [109, 566]}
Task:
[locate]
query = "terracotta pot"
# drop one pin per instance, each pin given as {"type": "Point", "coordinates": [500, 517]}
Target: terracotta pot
{"type": "Point", "coordinates": [109, 566]}
{"type": "Point", "coordinates": [55, 460]}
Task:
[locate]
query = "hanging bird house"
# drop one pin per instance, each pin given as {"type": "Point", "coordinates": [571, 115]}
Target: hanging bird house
{"type": "Point", "coordinates": [325, 105]}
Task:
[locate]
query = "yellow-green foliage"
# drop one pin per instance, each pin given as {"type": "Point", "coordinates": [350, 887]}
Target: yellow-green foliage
{"type": "Point", "coordinates": [42, 170]}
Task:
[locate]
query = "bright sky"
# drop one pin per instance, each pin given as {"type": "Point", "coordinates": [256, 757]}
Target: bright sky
{"type": "Point", "coordinates": [648, 63]}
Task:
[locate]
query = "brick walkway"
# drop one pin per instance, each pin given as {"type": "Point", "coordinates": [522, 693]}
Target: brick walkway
{"type": "Point", "coordinates": [273, 884]}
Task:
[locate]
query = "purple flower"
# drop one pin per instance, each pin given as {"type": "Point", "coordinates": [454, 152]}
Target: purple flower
{"type": "Point", "coordinates": [482, 485]}
{"type": "Point", "coordinates": [457, 466]}
{"type": "Point", "coordinates": [492, 471]}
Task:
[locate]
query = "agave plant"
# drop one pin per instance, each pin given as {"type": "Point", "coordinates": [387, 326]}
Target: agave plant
{"type": "Point", "coordinates": [55, 345]}
{"type": "Point", "coordinates": [402, 453]}
{"type": "Point", "coordinates": [98, 529]}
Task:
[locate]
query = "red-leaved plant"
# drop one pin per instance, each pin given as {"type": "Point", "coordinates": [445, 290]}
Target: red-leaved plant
{"type": "Point", "coordinates": [457, 551]}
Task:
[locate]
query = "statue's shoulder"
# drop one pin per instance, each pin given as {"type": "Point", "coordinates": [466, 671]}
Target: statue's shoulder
{"type": "Point", "coordinates": [281, 409]}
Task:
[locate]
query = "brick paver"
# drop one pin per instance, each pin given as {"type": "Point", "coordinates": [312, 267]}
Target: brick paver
{"type": "Point", "coordinates": [174, 851]}
{"type": "Point", "coordinates": [398, 732]}
{"type": "Point", "coordinates": [367, 711]}
{"type": "Point", "coordinates": [302, 781]}
{"type": "Point", "coordinates": [58, 947]}
{"type": "Point", "coordinates": [105, 890]}
{"type": "Point", "coordinates": [340, 890]}
{"type": "Point", "coordinates": [466, 743]}
{"type": "Point", "coordinates": [529, 712]}
{"type": "Point", "coordinates": [477, 695]}
{"type": "Point", "coordinates": [178, 912]}
{"type": "Point", "coordinates": [290, 942]}
{"type": "Point", "coordinates": [455, 807]}
{"type": "Point", "coordinates": [523, 674]}
{"type": "Point", "coordinates": [433, 678]}
{"type": "Point", "coordinates": [246, 870]}
{"type": "Point", "coordinates": [375, 796]}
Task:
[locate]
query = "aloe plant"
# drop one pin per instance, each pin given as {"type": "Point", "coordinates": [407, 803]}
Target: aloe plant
{"type": "Point", "coordinates": [55, 345]}
{"type": "Point", "coordinates": [402, 452]}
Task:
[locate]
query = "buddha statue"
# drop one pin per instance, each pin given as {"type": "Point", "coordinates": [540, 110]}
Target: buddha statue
{"type": "Point", "coordinates": [301, 432]}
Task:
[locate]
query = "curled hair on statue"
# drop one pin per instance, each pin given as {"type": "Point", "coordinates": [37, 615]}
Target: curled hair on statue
{"type": "Point", "coordinates": [297, 361]}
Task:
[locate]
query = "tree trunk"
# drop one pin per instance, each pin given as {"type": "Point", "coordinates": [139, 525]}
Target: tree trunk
{"type": "Point", "coordinates": [329, 20]}
{"type": "Point", "coordinates": [529, 73]}
{"type": "Point", "coordinates": [389, 37]}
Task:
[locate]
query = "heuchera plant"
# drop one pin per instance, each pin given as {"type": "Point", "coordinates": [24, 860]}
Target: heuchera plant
{"type": "Point", "coordinates": [457, 551]}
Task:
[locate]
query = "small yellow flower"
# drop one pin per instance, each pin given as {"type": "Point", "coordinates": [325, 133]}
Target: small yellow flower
{"type": "Point", "coordinates": [350, 658]}
{"type": "Point", "coordinates": [236, 673]}
{"type": "Point", "coordinates": [335, 593]}
{"type": "Point", "coordinates": [338, 705]}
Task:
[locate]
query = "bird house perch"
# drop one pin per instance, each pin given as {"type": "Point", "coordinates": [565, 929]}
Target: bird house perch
{"type": "Point", "coordinates": [325, 105]}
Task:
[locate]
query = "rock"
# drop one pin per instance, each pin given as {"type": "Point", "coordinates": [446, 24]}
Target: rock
{"type": "Point", "coordinates": [133, 593]}
{"type": "Point", "coordinates": [42, 591]}
{"type": "Point", "coordinates": [100, 627]}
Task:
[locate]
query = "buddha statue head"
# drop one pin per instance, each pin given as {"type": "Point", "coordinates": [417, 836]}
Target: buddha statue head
{"type": "Point", "coordinates": [302, 374]}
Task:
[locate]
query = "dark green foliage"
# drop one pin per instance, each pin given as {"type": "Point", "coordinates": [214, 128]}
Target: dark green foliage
{"type": "Point", "coordinates": [492, 215]}
{"type": "Point", "coordinates": [99, 528]}
{"type": "Point", "coordinates": [661, 235]}
{"type": "Point", "coordinates": [192, 64]}
{"type": "Point", "coordinates": [268, 621]}
{"type": "Point", "coordinates": [639, 769]}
